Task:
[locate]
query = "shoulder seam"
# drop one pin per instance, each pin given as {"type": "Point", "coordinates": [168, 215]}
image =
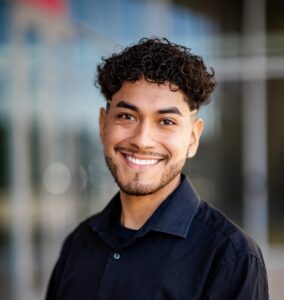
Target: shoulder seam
{"type": "Point", "coordinates": [230, 259]}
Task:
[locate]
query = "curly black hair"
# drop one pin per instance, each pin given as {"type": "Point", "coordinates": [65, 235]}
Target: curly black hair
{"type": "Point", "coordinates": [158, 61]}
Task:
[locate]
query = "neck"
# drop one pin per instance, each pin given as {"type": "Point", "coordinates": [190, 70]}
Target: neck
{"type": "Point", "coordinates": [136, 210]}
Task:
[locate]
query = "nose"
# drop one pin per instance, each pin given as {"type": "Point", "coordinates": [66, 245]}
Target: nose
{"type": "Point", "coordinates": [143, 136]}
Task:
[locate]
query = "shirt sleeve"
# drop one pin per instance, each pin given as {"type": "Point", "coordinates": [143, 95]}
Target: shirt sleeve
{"type": "Point", "coordinates": [241, 278]}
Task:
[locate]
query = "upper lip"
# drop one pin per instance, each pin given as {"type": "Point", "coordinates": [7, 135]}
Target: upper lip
{"type": "Point", "coordinates": [142, 156]}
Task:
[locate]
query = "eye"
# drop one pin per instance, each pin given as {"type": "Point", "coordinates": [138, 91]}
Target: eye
{"type": "Point", "coordinates": [126, 116]}
{"type": "Point", "coordinates": [167, 122]}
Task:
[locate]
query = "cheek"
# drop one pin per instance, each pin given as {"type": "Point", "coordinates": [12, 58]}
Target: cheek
{"type": "Point", "coordinates": [115, 135]}
{"type": "Point", "coordinates": [177, 145]}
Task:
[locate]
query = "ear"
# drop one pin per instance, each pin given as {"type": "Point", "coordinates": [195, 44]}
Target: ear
{"type": "Point", "coordinates": [197, 129]}
{"type": "Point", "coordinates": [102, 123]}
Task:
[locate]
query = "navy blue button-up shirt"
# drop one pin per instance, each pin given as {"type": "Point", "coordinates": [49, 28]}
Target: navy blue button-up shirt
{"type": "Point", "coordinates": [187, 250]}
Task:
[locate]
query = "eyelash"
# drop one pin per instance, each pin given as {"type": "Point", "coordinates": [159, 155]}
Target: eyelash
{"type": "Point", "coordinates": [130, 117]}
{"type": "Point", "coordinates": [168, 121]}
{"type": "Point", "coordinates": [125, 116]}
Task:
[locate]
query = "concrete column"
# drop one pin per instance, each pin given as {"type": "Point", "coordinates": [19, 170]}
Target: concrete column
{"type": "Point", "coordinates": [254, 124]}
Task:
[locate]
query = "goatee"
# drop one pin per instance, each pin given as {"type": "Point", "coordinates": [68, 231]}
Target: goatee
{"type": "Point", "coordinates": [136, 186]}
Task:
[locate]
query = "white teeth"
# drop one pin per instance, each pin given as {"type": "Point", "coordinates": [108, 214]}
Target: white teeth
{"type": "Point", "coordinates": [142, 162]}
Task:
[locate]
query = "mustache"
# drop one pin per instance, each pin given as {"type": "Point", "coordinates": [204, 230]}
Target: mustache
{"type": "Point", "coordinates": [135, 150]}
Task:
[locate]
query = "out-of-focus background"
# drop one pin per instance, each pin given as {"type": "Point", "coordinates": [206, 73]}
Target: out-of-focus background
{"type": "Point", "coordinates": [53, 173]}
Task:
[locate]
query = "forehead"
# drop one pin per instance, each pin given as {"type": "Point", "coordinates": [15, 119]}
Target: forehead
{"type": "Point", "coordinates": [150, 96]}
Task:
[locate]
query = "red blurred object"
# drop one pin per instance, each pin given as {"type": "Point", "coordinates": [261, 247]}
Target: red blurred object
{"type": "Point", "coordinates": [52, 6]}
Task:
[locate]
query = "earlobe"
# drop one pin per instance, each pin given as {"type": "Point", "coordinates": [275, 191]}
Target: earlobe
{"type": "Point", "coordinates": [102, 122]}
{"type": "Point", "coordinates": [197, 129]}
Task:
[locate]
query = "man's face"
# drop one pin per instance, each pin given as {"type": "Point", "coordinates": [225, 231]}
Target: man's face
{"type": "Point", "coordinates": [147, 134]}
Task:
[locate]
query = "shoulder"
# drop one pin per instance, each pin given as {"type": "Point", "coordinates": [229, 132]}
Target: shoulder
{"type": "Point", "coordinates": [86, 225]}
{"type": "Point", "coordinates": [84, 232]}
{"type": "Point", "coordinates": [231, 243]}
{"type": "Point", "coordinates": [80, 235]}
{"type": "Point", "coordinates": [237, 265]}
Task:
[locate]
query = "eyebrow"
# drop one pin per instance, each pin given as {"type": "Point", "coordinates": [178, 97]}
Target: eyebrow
{"type": "Point", "coordinates": [127, 105]}
{"type": "Point", "coordinates": [167, 110]}
{"type": "Point", "coordinates": [170, 110]}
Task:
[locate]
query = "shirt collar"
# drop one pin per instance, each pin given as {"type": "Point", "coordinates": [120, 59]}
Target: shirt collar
{"type": "Point", "coordinates": [108, 216]}
{"type": "Point", "coordinates": [174, 216]}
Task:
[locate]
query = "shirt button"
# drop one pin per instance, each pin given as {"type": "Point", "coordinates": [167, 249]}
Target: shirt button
{"type": "Point", "coordinates": [116, 256]}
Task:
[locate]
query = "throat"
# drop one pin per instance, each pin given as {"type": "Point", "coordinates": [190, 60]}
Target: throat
{"type": "Point", "coordinates": [136, 210]}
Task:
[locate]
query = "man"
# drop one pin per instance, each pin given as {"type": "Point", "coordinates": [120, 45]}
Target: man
{"type": "Point", "coordinates": [156, 239]}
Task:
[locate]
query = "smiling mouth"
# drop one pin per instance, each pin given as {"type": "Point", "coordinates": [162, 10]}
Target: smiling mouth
{"type": "Point", "coordinates": [141, 158]}
{"type": "Point", "coordinates": [141, 162]}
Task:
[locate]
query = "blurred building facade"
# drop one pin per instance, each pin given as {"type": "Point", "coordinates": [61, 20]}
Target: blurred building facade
{"type": "Point", "coordinates": [53, 171]}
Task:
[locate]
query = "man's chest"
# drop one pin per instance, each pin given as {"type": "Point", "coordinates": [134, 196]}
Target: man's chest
{"type": "Point", "coordinates": [150, 268]}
